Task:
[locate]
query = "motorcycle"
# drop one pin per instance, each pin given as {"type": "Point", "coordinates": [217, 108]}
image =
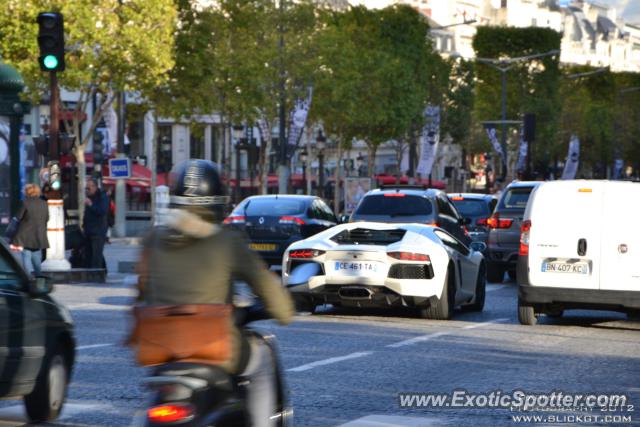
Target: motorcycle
{"type": "Point", "coordinates": [200, 395]}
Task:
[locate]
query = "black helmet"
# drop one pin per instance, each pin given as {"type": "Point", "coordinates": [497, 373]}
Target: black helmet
{"type": "Point", "coordinates": [196, 183]}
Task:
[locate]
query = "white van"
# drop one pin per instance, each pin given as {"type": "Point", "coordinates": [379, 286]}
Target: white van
{"type": "Point", "coordinates": [580, 248]}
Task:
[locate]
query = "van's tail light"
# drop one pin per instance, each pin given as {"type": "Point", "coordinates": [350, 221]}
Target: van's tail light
{"type": "Point", "coordinates": [524, 237]}
{"type": "Point", "coordinates": [169, 413]}
{"type": "Point", "coordinates": [305, 253]}
{"type": "Point", "coordinates": [291, 220]}
{"type": "Point", "coordinates": [496, 222]}
{"type": "Point", "coordinates": [409, 256]}
{"type": "Point", "coordinates": [482, 221]}
{"type": "Point", "coordinates": [234, 220]}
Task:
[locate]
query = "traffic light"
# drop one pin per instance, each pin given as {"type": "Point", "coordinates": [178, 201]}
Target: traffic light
{"type": "Point", "coordinates": [51, 41]}
{"type": "Point", "coordinates": [55, 175]}
{"type": "Point", "coordinates": [98, 148]}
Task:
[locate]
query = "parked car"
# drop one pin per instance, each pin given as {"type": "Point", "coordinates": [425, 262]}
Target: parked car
{"type": "Point", "coordinates": [273, 222]}
{"type": "Point", "coordinates": [580, 248]}
{"type": "Point", "coordinates": [504, 230]}
{"type": "Point", "coordinates": [37, 344]}
{"type": "Point", "coordinates": [366, 264]}
{"type": "Point", "coordinates": [477, 208]}
{"type": "Point", "coordinates": [407, 204]}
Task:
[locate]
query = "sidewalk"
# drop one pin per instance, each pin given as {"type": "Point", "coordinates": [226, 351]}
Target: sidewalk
{"type": "Point", "coordinates": [121, 256]}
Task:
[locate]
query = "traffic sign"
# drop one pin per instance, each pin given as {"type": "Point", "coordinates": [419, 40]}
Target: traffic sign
{"type": "Point", "coordinates": [119, 168]}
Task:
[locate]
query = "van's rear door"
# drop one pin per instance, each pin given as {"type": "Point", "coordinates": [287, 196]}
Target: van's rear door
{"type": "Point", "coordinates": [565, 235]}
{"type": "Point", "coordinates": [621, 237]}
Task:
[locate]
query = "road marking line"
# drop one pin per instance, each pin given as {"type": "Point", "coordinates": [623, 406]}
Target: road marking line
{"type": "Point", "coordinates": [429, 337]}
{"type": "Point", "coordinates": [87, 347]}
{"type": "Point", "coordinates": [329, 361]}
{"type": "Point", "coordinates": [394, 421]}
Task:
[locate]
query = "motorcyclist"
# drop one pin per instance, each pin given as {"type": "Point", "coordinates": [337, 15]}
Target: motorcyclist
{"type": "Point", "coordinates": [193, 260]}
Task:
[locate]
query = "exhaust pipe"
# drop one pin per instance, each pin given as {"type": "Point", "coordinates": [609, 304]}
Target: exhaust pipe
{"type": "Point", "coordinates": [354, 292]}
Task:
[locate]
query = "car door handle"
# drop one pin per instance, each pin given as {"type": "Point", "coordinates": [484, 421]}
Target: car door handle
{"type": "Point", "coordinates": [582, 247]}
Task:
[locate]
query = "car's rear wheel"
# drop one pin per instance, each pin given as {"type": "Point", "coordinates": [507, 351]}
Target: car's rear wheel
{"type": "Point", "coordinates": [555, 313]}
{"type": "Point", "coordinates": [526, 314]}
{"type": "Point", "coordinates": [495, 274]}
{"type": "Point", "coordinates": [443, 309]}
{"type": "Point", "coordinates": [45, 402]}
{"type": "Point", "coordinates": [481, 291]}
{"type": "Point", "coordinates": [512, 274]}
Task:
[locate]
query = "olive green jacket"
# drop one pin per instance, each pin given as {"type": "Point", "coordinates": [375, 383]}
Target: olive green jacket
{"type": "Point", "coordinates": [195, 262]}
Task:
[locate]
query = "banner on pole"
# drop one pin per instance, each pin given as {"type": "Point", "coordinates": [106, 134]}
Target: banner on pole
{"type": "Point", "coordinates": [299, 118]}
{"type": "Point", "coordinates": [429, 139]}
{"type": "Point", "coordinates": [492, 133]}
{"type": "Point", "coordinates": [571, 165]}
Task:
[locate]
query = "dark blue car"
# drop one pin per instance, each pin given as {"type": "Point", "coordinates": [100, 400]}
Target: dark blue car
{"type": "Point", "coordinates": [273, 222]}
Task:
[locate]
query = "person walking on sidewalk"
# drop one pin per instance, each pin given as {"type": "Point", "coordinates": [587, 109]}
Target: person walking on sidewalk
{"type": "Point", "coordinates": [95, 224]}
{"type": "Point", "coordinates": [31, 236]}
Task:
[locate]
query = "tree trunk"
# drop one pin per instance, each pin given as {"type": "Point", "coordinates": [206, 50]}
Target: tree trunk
{"type": "Point", "coordinates": [154, 168]}
{"type": "Point", "coordinates": [82, 180]}
{"type": "Point", "coordinates": [336, 191]}
{"type": "Point", "coordinates": [264, 161]}
{"type": "Point", "coordinates": [371, 161]}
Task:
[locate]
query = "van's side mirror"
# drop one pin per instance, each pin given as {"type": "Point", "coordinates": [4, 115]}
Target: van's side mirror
{"type": "Point", "coordinates": [39, 286]}
{"type": "Point", "coordinates": [344, 219]}
{"type": "Point", "coordinates": [478, 246]}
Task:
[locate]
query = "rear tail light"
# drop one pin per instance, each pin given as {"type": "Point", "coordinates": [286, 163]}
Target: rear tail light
{"type": "Point", "coordinates": [395, 195]}
{"type": "Point", "coordinates": [234, 220]}
{"type": "Point", "coordinates": [409, 256]}
{"type": "Point", "coordinates": [457, 198]}
{"type": "Point", "coordinates": [482, 221]}
{"type": "Point", "coordinates": [496, 222]}
{"type": "Point", "coordinates": [291, 220]}
{"type": "Point", "coordinates": [435, 224]}
{"type": "Point", "coordinates": [305, 254]}
{"type": "Point", "coordinates": [524, 237]}
{"type": "Point", "coordinates": [169, 413]}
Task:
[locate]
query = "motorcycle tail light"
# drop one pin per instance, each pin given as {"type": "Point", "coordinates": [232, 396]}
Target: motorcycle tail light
{"type": "Point", "coordinates": [170, 413]}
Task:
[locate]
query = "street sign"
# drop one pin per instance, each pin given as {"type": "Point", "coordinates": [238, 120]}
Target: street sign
{"type": "Point", "coordinates": [119, 168]}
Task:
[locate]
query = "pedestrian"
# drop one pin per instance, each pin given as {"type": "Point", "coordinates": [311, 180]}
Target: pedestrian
{"type": "Point", "coordinates": [95, 224]}
{"type": "Point", "coordinates": [31, 236]}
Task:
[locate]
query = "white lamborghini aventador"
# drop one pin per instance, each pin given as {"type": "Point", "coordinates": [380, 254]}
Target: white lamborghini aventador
{"type": "Point", "coordinates": [367, 264]}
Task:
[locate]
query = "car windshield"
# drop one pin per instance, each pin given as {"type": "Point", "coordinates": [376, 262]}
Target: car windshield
{"type": "Point", "coordinates": [516, 198]}
{"type": "Point", "coordinates": [270, 207]}
{"type": "Point", "coordinates": [472, 207]}
{"type": "Point", "coordinates": [394, 206]}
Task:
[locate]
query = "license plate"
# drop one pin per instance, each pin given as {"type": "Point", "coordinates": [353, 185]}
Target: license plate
{"type": "Point", "coordinates": [565, 267]}
{"type": "Point", "coordinates": [349, 268]}
{"type": "Point", "coordinates": [265, 247]}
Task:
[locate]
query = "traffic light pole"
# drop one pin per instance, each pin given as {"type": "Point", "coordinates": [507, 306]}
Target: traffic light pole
{"type": "Point", "coordinates": [56, 260]}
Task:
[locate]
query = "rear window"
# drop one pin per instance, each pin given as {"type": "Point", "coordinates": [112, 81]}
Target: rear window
{"type": "Point", "coordinates": [471, 207]}
{"type": "Point", "coordinates": [516, 198]}
{"type": "Point", "coordinates": [270, 207]}
{"type": "Point", "coordinates": [394, 206]}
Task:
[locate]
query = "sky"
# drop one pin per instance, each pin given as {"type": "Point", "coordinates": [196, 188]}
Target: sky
{"type": "Point", "coordinates": [629, 10]}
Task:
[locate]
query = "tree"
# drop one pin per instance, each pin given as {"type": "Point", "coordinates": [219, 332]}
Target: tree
{"type": "Point", "coordinates": [375, 76]}
{"type": "Point", "coordinates": [110, 46]}
{"type": "Point", "coordinates": [532, 85]}
{"type": "Point", "coordinates": [457, 120]}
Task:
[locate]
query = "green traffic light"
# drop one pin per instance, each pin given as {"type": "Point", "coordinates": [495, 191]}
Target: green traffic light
{"type": "Point", "coordinates": [50, 62]}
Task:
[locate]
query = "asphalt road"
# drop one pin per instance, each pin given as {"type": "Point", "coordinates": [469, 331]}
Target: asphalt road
{"type": "Point", "coordinates": [347, 367]}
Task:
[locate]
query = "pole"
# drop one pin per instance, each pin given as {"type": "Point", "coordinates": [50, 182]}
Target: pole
{"type": "Point", "coordinates": [236, 188]}
{"type": "Point", "coordinates": [119, 228]}
{"type": "Point", "coordinates": [283, 168]}
{"type": "Point", "coordinates": [503, 143]}
{"type": "Point", "coordinates": [56, 260]}
{"type": "Point", "coordinates": [321, 174]}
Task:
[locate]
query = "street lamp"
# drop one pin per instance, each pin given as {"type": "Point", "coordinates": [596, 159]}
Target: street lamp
{"type": "Point", "coordinates": [238, 131]}
{"type": "Point", "coordinates": [321, 143]}
{"type": "Point", "coordinates": [503, 65]}
{"type": "Point", "coordinates": [303, 155]}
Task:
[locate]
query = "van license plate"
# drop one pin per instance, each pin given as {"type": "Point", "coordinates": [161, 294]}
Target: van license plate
{"type": "Point", "coordinates": [356, 268]}
{"type": "Point", "coordinates": [565, 267]}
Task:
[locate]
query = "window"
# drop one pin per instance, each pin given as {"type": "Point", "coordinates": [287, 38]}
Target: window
{"type": "Point", "coordinates": [451, 242]}
{"type": "Point", "coordinates": [10, 278]}
{"type": "Point", "coordinates": [445, 208]}
{"type": "Point", "coordinates": [329, 216]}
{"type": "Point", "coordinates": [196, 141]}
{"type": "Point", "coordinates": [472, 207]}
{"type": "Point", "coordinates": [270, 207]}
{"type": "Point", "coordinates": [516, 198]}
{"type": "Point", "coordinates": [394, 206]}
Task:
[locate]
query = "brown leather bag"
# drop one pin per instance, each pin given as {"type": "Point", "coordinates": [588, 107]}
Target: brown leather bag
{"type": "Point", "coordinates": [194, 332]}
